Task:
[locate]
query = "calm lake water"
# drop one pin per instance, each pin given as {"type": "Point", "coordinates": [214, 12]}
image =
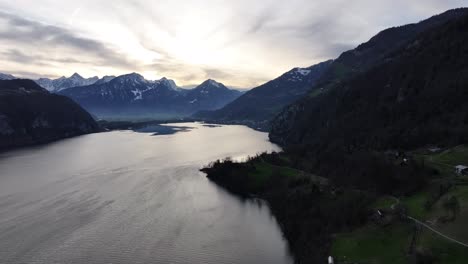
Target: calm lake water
{"type": "Point", "coordinates": [129, 197]}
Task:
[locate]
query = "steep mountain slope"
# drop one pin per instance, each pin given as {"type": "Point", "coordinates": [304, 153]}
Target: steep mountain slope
{"type": "Point", "coordinates": [63, 82]}
{"type": "Point", "coordinates": [128, 94]}
{"type": "Point", "coordinates": [263, 102]}
{"type": "Point", "coordinates": [132, 96]}
{"type": "Point", "coordinates": [374, 51]}
{"type": "Point", "coordinates": [29, 114]}
{"type": "Point", "coordinates": [415, 97]}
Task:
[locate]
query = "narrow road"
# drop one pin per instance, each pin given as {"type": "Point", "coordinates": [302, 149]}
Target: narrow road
{"type": "Point", "coordinates": [427, 226]}
{"type": "Point", "coordinates": [397, 201]}
{"type": "Point", "coordinates": [437, 232]}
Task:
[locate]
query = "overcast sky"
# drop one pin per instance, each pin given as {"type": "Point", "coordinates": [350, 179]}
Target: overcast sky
{"type": "Point", "coordinates": [241, 43]}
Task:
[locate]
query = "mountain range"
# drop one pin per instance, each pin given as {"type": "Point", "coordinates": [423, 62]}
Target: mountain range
{"type": "Point", "coordinates": [132, 96]}
{"type": "Point", "coordinates": [261, 103]}
{"type": "Point", "coordinates": [57, 85]}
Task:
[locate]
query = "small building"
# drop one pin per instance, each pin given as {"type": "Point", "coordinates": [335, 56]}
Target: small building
{"type": "Point", "coordinates": [461, 169]}
{"type": "Point", "coordinates": [434, 149]}
{"type": "Point", "coordinates": [382, 217]}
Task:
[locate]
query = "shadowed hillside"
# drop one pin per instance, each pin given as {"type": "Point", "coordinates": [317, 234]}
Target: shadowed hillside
{"type": "Point", "coordinates": [29, 114]}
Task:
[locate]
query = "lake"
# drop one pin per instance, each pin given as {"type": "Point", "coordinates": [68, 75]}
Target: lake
{"type": "Point", "coordinates": [134, 197]}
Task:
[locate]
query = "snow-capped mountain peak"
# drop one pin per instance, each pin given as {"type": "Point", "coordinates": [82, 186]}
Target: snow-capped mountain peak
{"type": "Point", "coordinates": [4, 76]}
{"type": "Point", "coordinates": [63, 82]}
{"type": "Point", "coordinates": [133, 94]}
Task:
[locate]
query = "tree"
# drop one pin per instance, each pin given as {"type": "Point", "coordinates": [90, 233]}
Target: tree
{"type": "Point", "coordinates": [452, 204]}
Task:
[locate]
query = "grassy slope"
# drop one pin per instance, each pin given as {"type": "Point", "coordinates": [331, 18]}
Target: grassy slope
{"type": "Point", "coordinates": [388, 244]}
{"type": "Point", "coordinates": [373, 244]}
{"type": "Point", "coordinates": [453, 157]}
{"type": "Point", "coordinates": [381, 245]}
{"type": "Point", "coordinates": [263, 170]}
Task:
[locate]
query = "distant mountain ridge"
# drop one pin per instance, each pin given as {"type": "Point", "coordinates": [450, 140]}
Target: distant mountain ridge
{"type": "Point", "coordinates": [105, 79]}
{"type": "Point", "coordinates": [56, 85]}
{"type": "Point", "coordinates": [265, 101]}
{"type": "Point", "coordinates": [133, 96]}
{"type": "Point", "coordinates": [4, 76]}
{"type": "Point", "coordinates": [29, 114]}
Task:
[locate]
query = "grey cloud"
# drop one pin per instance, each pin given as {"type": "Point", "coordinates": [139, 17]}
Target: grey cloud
{"type": "Point", "coordinates": [217, 74]}
{"type": "Point", "coordinates": [189, 73]}
{"type": "Point", "coordinates": [188, 77]}
{"type": "Point", "coordinates": [18, 56]}
{"type": "Point", "coordinates": [173, 69]}
{"type": "Point", "coordinates": [214, 73]}
{"type": "Point", "coordinates": [260, 21]}
{"type": "Point", "coordinates": [27, 74]}
{"type": "Point", "coordinates": [27, 32]}
{"type": "Point", "coordinates": [315, 38]}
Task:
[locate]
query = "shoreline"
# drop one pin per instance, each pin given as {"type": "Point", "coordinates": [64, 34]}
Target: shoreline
{"type": "Point", "coordinates": [304, 206]}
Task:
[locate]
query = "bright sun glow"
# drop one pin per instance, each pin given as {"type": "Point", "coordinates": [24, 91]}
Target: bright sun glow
{"type": "Point", "coordinates": [241, 43]}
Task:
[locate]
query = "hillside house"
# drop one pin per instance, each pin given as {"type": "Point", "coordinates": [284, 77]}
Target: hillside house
{"type": "Point", "coordinates": [461, 169]}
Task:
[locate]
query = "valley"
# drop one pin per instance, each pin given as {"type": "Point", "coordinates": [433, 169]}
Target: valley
{"type": "Point", "coordinates": [360, 158]}
{"type": "Point", "coordinates": [127, 196]}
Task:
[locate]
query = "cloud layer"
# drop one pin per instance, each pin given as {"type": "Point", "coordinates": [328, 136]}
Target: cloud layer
{"type": "Point", "coordinates": [241, 43]}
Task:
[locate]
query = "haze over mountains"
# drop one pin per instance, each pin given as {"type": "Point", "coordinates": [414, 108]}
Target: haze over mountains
{"type": "Point", "coordinates": [131, 96]}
